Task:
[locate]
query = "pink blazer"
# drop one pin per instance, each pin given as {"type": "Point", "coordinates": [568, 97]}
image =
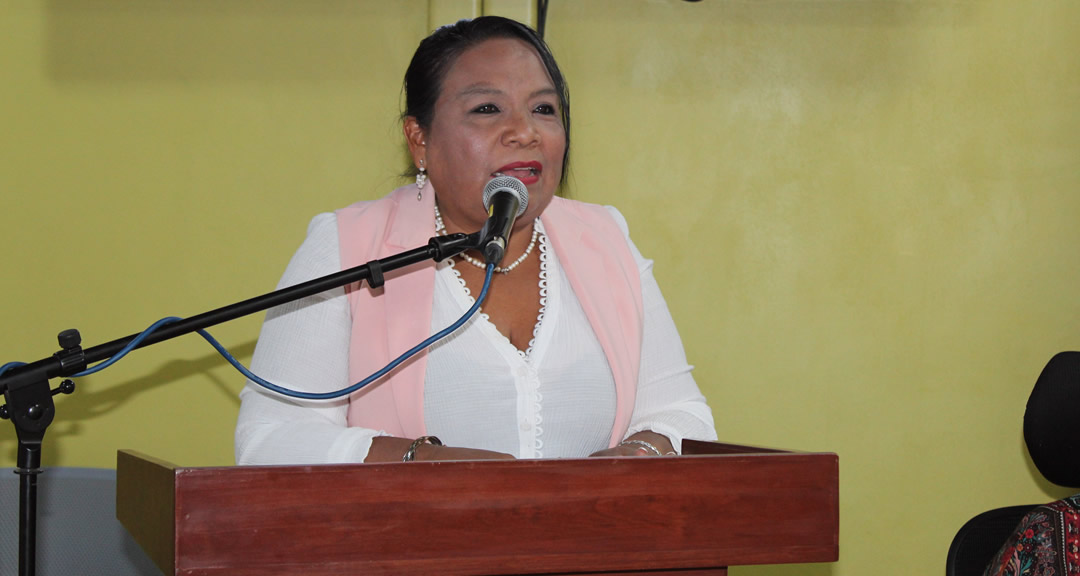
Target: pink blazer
{"type": "Point", "coordinates": [385, 322]}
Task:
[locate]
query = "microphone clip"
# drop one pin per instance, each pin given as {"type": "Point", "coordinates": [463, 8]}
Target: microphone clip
{"type": "Point", "coordinates": [450, 245]}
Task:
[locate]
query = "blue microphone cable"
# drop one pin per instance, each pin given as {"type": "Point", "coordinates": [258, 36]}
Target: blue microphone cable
{"type": "Point", "coordinates": [281, 389]}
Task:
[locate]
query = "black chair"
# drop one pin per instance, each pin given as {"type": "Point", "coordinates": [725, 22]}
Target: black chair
{"type": "Point", "coordinates": [1053, 442]}
{"type": "Point", "coordinates": [980, 538]}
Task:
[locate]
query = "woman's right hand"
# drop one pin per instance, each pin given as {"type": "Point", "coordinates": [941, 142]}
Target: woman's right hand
{"type": "Point", "coordinates": [428, 452]}
{"type": "Point", "coordinates": [390, 449]}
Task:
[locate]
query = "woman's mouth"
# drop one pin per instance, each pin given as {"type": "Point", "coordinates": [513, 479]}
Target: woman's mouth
{"type": "Point", "coordinates": [527, 172]}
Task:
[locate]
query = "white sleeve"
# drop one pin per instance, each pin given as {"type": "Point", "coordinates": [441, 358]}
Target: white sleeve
{"type": "Point", "coordinates": [304, 345]}
{"type": "Point", "coordinates": [668, 401]}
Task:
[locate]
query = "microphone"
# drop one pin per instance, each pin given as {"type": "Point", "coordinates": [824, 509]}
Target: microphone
{"type": "Point", "coordinates": [505, 198]}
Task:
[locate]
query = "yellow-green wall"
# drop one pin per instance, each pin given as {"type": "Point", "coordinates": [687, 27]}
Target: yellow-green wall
{"type": "Point", "coordinates": [863, 213]}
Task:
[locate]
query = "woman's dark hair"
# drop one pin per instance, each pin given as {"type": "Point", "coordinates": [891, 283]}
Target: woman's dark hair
{"type": "Point", "coordinates": [438, 52]}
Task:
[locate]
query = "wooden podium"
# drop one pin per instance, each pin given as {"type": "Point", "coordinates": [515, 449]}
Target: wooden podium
{"type": "Point", "coordinates": [696, 514]}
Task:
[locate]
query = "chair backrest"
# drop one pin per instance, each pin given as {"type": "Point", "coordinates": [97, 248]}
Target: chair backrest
{"type": "Point", "coordinates": [1050, 431]}
{"type": "Point", "coordinates": [980, 538]}
{"type": "Point", "coordinates": [78, 532]}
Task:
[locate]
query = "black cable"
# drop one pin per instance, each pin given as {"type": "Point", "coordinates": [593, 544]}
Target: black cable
{"type": "Point", "coordinates": [541, 17]}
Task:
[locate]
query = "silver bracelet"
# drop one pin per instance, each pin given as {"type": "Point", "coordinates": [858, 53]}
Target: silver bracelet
{"type": "Point", "coordinates": [643, 444]}
{"type": "Point", "coordinates": [410, 454]}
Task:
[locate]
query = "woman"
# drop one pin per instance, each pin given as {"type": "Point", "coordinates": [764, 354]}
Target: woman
{"type": "Point", "coordinates": [575, 353]}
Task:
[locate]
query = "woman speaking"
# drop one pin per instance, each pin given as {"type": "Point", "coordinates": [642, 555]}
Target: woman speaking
{"type": "Point", "coordinates": [574, 352]}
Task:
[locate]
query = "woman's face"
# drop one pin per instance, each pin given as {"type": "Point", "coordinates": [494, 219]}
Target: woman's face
{"type": "Point", "coordinates": [498, 112]}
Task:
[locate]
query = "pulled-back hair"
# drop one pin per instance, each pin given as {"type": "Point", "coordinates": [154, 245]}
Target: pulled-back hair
{"type": "Point", "coordinates": [438, 52]}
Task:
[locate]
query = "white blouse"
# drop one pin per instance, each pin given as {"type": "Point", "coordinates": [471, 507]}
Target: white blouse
{"type": "Point", "coordinates": [557, 399]}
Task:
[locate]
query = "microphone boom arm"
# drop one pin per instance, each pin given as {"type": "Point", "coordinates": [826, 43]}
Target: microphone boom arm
{"type": "Point", "coordinates": [29, 399]}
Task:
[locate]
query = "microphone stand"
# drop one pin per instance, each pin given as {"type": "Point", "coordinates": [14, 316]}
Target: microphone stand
{"type": "Point", "coordinates": [29, 398]}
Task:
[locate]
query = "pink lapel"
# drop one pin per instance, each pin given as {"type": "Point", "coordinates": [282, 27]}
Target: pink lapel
{"type": "Point", "coordinates": [604, 275]}
{"type": "Point", "coordinates": [408, 298]}
{"type": "Point", "coordinates": [368, 231]}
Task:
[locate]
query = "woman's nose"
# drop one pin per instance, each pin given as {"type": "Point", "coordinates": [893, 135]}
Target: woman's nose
{"type": "Point", "coordinates": [521, 130]}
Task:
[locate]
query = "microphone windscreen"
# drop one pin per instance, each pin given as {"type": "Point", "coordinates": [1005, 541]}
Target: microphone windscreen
{"type": "Point", "coordinates": [1052, 420]}
{"type": "Point", "coordinates": [511, 184]}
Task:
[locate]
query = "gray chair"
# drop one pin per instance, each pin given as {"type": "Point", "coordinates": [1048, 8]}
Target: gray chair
{"type": "Point", "coordinates": [78, 532]}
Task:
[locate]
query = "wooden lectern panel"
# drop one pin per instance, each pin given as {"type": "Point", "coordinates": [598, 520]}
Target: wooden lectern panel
{"type": "Point", "coordinates": [685, 515]}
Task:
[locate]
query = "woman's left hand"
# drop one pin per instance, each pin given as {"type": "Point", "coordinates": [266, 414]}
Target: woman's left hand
{"type": "Point", "coordinates": [629, 447]}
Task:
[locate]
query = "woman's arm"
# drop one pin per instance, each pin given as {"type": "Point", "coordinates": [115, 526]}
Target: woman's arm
{"type": "Point", "coordinates": [668, 401]}
{"type": "Point", "coordinates": [303, 345]}
{"type": "Point", "coordinates": [644, 443]}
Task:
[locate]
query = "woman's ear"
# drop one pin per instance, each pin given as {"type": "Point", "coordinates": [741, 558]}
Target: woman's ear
{"type": "Point", "coordinates": [417, 140]}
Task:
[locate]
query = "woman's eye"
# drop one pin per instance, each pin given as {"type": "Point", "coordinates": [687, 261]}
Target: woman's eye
{"type": "Point", "coordinates": [486, 109]}
{"type": "Point", "coordinates": [547, 109]}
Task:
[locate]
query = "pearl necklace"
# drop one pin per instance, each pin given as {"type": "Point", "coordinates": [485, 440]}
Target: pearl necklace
{"type": "Point", "coordinates": [440, 229]}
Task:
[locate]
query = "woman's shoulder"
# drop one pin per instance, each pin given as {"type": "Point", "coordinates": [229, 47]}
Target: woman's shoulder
{"type": "Point", "coordinates": [386, 203]}
{"type": "Point", "coordinates": [323, 231]}
{"type": "Point", "coordinates": [589, 211]}
{"type": "Point", "coordinates": [323, 225]}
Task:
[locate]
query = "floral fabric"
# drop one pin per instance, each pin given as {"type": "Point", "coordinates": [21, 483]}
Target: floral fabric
{"type": "Point", "coordinates": [1046, 543]}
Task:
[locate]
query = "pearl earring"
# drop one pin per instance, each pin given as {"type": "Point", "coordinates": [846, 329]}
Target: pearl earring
{"type": "Point", "coordinates": [421, 180]}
